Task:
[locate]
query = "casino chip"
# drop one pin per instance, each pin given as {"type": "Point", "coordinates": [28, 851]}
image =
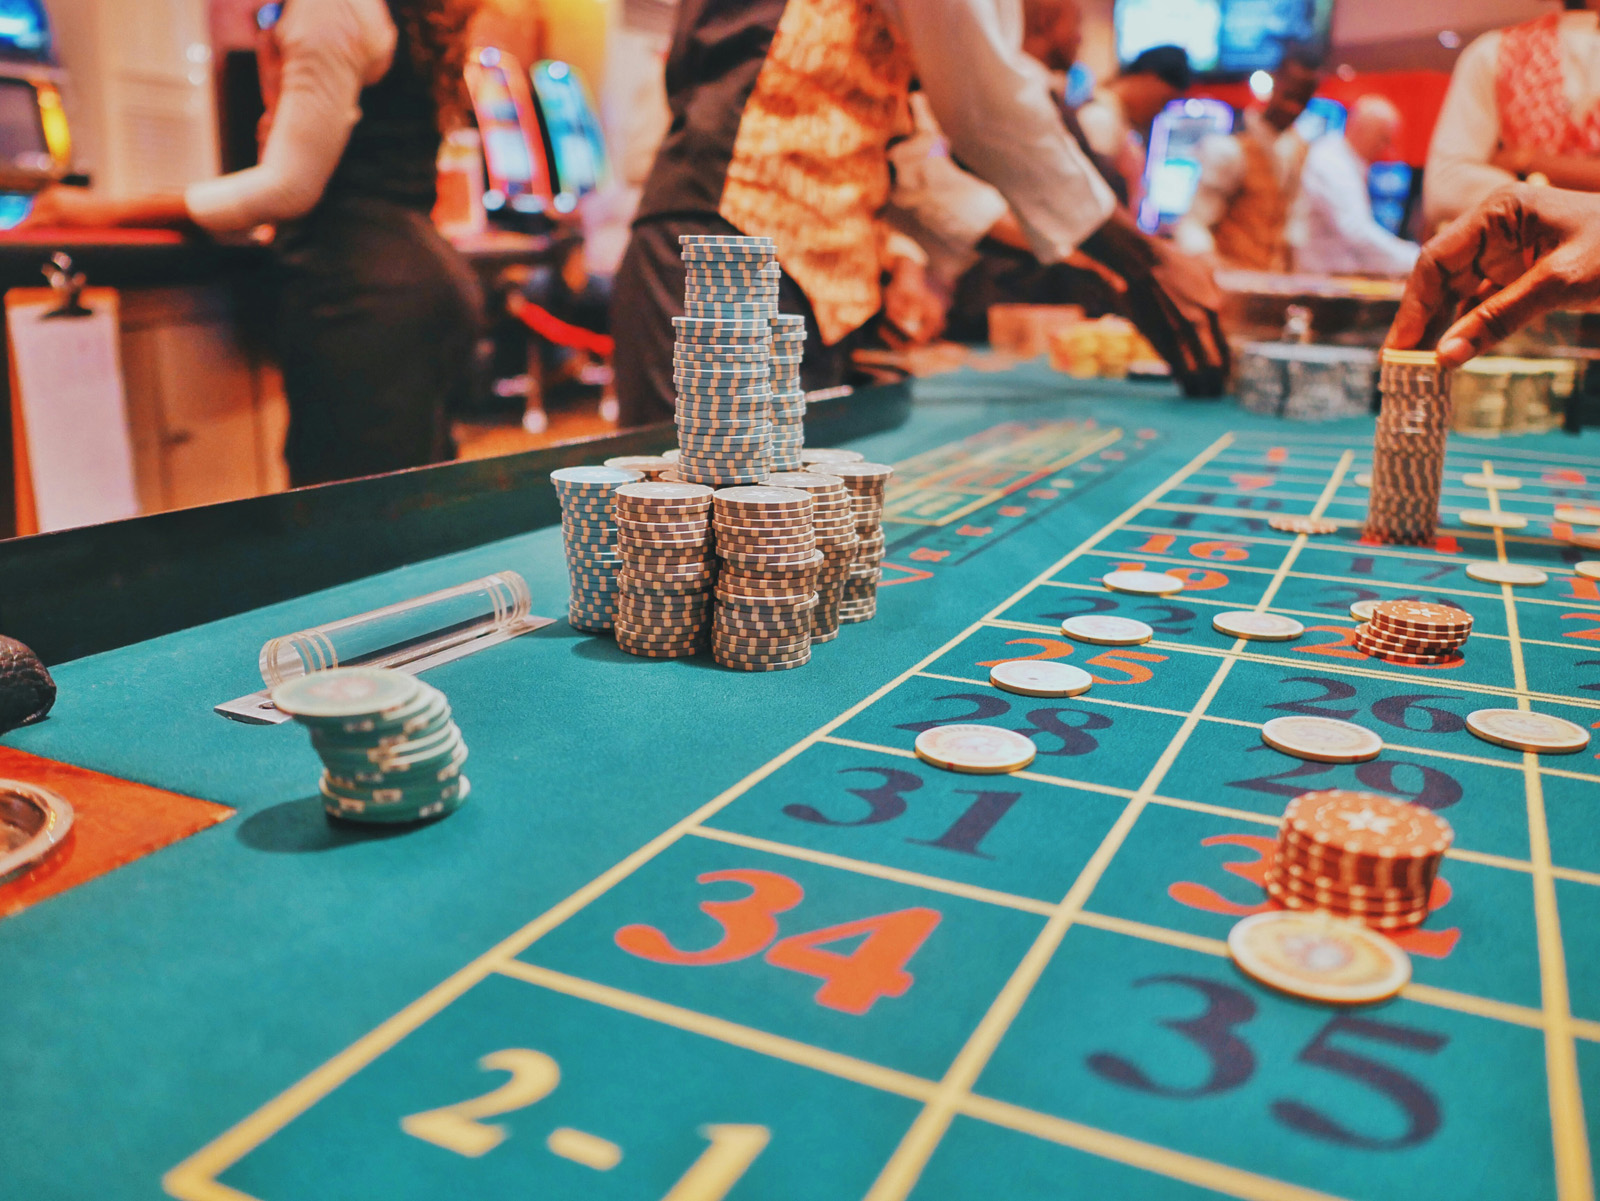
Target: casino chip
{"type": "Point", "coordinates": [1578, 514]}
{"type": "Point", "coordinates": [1143, 583]}
{"type": "Point", "coordinates": [812, 455]}
{"type": "Point", "coordinates": [1318, 957]}
{"type": "Point", "coordinates": [1489, 520]}
{"type": "Point", "coordinates": [1589, 569]}
{"type": "Point", "coordinates": [1363, 480]}
{"type": "Point", "coordinates": [1523, 730]}
{"type": "Point", "coordinates": [1289, 524]}
{"type": "Point", "coordinates": [1258, 627]}
{"type": "Point", "coordinates": [1321, 739]}
{"type": "Point", "coordinates": [1035, 677]}
{"type": "Point", "coordinates": [390, 751]}
{"type": "Point", "coordinates": [1501, 483]}
{"type": "Point", "coordinates": [1101, 630]}
{"type": "Point", "coordinates": [1490, 572]}
{"type": "Point", "coordinates": [976, 750]}
{"type": "Point", "coordinates": [1363, 610]}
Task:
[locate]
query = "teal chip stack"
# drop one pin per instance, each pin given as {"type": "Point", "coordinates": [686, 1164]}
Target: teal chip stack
{"type": "Point", "coordinates": [722, 360]}
{"type": "Point", "coordinates": [788, 397]}
{"type": "Point", "coordinates": [390, 752]}
{"type": "Point", "coordinates": [589, 532]}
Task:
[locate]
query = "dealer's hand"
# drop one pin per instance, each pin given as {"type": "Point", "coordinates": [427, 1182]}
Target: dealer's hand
{"type": "Point", "coordinates": [1523, 252]}
{"type": "Point", "coordinates": [914, 310]}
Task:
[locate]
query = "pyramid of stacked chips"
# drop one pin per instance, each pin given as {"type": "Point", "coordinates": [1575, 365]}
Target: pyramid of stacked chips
{"type": "Point", "coordinates": [1359, 855]}
{"type": "Point", "coordinates": [1408, 448]}
{"type": "Point", "coordinates": [390, 752]}
{"type": "Point", "coordinates": [1414, 633]}
{"type": "Point", "coordinates": [651, 465]}
{"type": "Point", "coordinates": [664, 536]}
{"type": "Point", "coordinates": [788, 397]}
{"type": "Point", "coordinates": [590, 536]}
{"type": "Point", "coordinates": [767, 587]}
{"type": "Point", "coordinates": [866, 482]}
{"type": "Point", "coordinates": [833, 522]}
{"type": "Point", "coordinates": [722, 367]}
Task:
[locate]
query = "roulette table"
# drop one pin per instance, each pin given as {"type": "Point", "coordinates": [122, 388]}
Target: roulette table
{"type": "Point", "coordinates": [706, 934]}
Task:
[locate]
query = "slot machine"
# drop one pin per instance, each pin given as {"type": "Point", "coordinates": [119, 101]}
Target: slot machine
{"type": "Point", "coordinates": [521, 192]}
{"type": "Point", "coordinates": [35, 143]}
{"type": "Point", "coordinates": [1172, 168]}
{"type": "Point", "coordinates": [573, 142]}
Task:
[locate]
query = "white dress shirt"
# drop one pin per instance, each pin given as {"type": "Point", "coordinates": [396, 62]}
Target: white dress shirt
{"type": "Point", "coordinates": [993, 103]}
{"type": "Point", "coordinates": [1222, 168]}
{"type": "Point", "coordinates": [331, 50]}
{"type": "Point", "coordinates": [1467, 134]}
{"type": "Point", "coordinates": [1340, 235]}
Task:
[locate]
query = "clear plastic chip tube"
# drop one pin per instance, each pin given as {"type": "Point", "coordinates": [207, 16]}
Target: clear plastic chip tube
{"type": "Point", "coordinates": [402, 633]}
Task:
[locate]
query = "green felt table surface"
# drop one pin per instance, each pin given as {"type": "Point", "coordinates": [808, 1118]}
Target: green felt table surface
{"type": "Point", "coordinates": [272, 1002]}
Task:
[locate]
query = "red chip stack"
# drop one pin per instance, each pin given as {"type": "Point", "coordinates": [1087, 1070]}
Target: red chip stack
{"type": "Point", "coordinates": [1414, 633]}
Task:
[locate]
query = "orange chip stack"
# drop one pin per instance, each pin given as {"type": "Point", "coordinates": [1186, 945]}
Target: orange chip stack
{"type": "Point", "coordinates": [1414, 632]}
{"type": "Point", "coordinates": [1359, 855]}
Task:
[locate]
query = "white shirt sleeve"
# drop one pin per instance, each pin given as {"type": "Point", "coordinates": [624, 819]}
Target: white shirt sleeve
{"type": "Point", "coordinates": [331, 50]}
{"type": "Point", "coordinates": [1465, 138]}
{"type": "Point", "coordinates": [1342, 234]}
{"type": "Point", "coordinates": [1221, 161]}
{"type": "Point", "coordinates": [943, 206]}
{"type": "Point", "coordinates": [1103, 128]}
{"type": "Point", "coordinates": [1000, 120]}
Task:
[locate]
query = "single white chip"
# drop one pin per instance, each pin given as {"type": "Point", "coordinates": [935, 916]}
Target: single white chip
{"type": "Point", "coordinates": [1363, 610]}
{"type": "Point", "coordinates": [1589, 541]}
{"type": "Point", "coordinates": [1523, 730]}
{"type": "Point", "coordinates": [1589, 569]}
{"type": "Point", "coordinates": [1102, 630]}
{"type": "Point", "coordinates": [978, 750]}
{"type": "Point", "coordinates": [1506, 573]}
{"type": "Point", "coordinates": [1363, 479]}
{"type": "Point", "coordinates": [1035, 677]}
{"type": "Point", "coordinates": [1500, 483]}
{"type": "Point", "coordinates": [1321, 739]}
{"type": "Point", "coordinates": [1143, 583]}
{"type": "Point", "coordinates": [1258, 627]}
{"type": "Point", "coordinates": [1319, 957]}
{"type": "Point", "coordinates": [1578, 514]}
{"type": "Point", "coordinates": [1487, 520]}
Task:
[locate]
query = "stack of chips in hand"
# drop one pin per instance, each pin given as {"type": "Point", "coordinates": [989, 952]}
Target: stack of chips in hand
{"type": "Point", "coordinates": [833, 521]}
{"type": "Point", "coordinates": [668, 569]}
{"type": "Point", "coordinates": [866, 482]}
{"type": "Point", "coordinates": [1408, 448]}
{"type": "Point", "coordinates": [722, 361]}
{"type": "Point", "coordinates": [1358, 855]}
{"type": "Point", "coordinates": [390, 751]}
{"type": "Point", "coordinates": [766, 589]}
{"type": "Point", "coordinates": [788, 397]}
{"type": "Point", "coordinates": [590, 536]}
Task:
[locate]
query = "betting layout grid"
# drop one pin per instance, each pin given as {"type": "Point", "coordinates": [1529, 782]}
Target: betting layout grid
{"type": "Point", "coordinates": [1070, 959]}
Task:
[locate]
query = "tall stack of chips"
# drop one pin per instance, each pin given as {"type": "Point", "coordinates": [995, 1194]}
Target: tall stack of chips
{"type": "Point", "coordinates": [390, 751]}
{"type": "Point", "coordinates": [1358, 855]}
{"type": "Point", "coordinates": [590, 536]}
{"type": "Point", "coordinates": [833, 521]}
{"type": "Point", "coordinates": [1414, 633]}
{"type": "Point", "coordinates": [664, 537]}
{"type": "Point", "coordinates": [1408, 448]}
{"type": "Point", "coordinates": [767, 586]}
{"type": "Point", "coordinates": [722, 362]}
{"type": "Point", "coordinates": [788, 397]}
{"type": "Point", "coordinates": [866, 482]}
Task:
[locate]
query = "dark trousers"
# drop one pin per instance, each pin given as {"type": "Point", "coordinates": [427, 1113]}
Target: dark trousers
{"type": "Point", "coordinates": [648, 292]}
{"type": "Point", "coordinates": [378, 322]}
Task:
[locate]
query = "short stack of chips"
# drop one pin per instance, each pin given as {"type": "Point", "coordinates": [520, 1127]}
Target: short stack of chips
{"type": "Point", "coordinates": [722, 361]}
{"type": "Point", "coordinates": [866, 482]}
{"type": "Point", "coordinates": [1414, 633]}
{"type": "Point", "coordinates": [833, 520]}
{"type": "Point", "coordinates": [590, 536]}
{"type": "Point", "coordinates": [767, 587]}
{"type": "Point", "coordinates": [1408, 448]}
{"type": "Point", "coordinates": [651, 465]}
{"type": "Point", "coordinates": [390, 752]}
{"type": "Point", "coordinates": [788, 397]}
{"type": "Point", "coordinates": [664, 536]}
{"type": "Point", "coordinates": [1358, 855]}
{"type": "Point", "coordinates": [821, 456]}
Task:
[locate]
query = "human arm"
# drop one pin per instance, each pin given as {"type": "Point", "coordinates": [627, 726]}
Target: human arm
{"type": "Point", "coordinates": [330, 50]}
{"type": "Point", "coordinates": [1461, 169]}
{"type": "Point", "coordinates": [1580, 173]}
{"type": "Point", "coordinates": [1522, 253]}
{"type": "Point", "coordinates": [1000, 120]}
{"type": "Point", "coordinates": [914, 311]}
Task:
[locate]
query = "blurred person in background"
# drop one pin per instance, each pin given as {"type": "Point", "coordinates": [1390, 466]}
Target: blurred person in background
{"type": "Point", "coordinates": [1250, 179]}
{"type": "Point", "coordinates": [783, 112]}
{"type": "Point", "coordinates": [1341, 236]}
{"type": "Point", "coordinates": [1116, 120]}
{"type": "Point", "coordinates": [1523, 102]}
{"type": "Point", "coordinates": [378, 317]}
